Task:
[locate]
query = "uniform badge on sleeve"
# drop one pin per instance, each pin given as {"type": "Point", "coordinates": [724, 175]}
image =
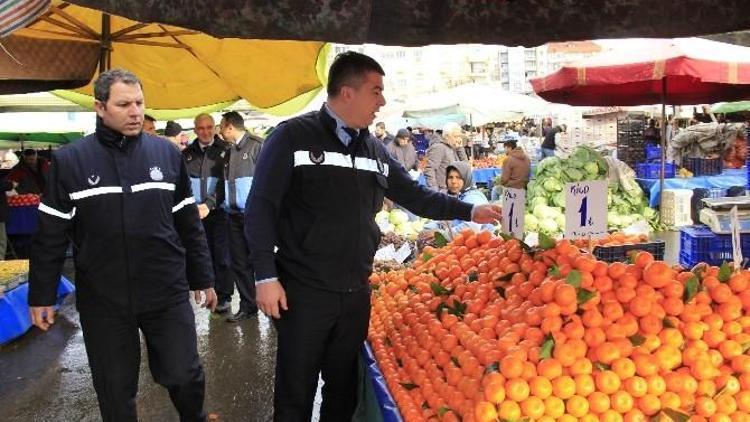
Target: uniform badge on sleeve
{"type": "Point", "coordinates": [319, 159]}
{"type": "Point", "coordinates": [155, 173]}
{"type": "Point", "coordinates": [93, 179]}
{"type": "Point", "coordinates": [189, 157]}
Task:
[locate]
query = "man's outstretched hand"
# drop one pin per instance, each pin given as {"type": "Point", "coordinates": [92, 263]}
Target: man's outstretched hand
{"type": "Point", "coordinates": [487, 214]}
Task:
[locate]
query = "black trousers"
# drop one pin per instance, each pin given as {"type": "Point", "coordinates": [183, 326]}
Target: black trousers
{"type": "Point", "coordinates": [321, 333]}
{"type": "Point", "coordinates": [217, 227]}
{"type": "Point", "coordinates": [114, 351]}
{"type": "Point", "coordinates": [242, 268]}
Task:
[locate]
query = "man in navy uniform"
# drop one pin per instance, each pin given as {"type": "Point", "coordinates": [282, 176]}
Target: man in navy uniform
{"type": "Point", "coordinates": [238, 177]}
{"type": "Point", "coordinates": [123, 198]}
{"type": "Point", "coordinates": [320, 180]}
{"type": "Point", "coordinates": [205, 158]}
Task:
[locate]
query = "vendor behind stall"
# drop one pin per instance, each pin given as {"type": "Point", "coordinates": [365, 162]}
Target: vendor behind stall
{"type": "Point", "coordinates": [460, 183]}
{"type": "Point", "coordinates": [30, 173]}
{"type": "Point", "coordinates": [516, 167]}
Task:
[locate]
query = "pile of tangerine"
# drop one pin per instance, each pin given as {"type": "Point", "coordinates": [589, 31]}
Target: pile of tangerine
{"type": "Point", "coordinates": [481, 330]}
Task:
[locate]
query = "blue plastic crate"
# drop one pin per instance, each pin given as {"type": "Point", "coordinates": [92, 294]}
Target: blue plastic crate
{"type": "Point", "coordinates": [700, 244]}
{"type": "Point", "coordinates": [653, 152]}
{"type": "Point", "coordinates": [653, 170]}
{"type": "Point", "coordinates": [703, 166]}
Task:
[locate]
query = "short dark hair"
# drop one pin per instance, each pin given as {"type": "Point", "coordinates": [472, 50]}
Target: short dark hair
{"type": "Point", "coordinates": [512, 144]}
{"type": "Point", "coordinates": [235, 119]}
{"type": "Point", "coordinates": [29, 152]}
{"type": "Point", "coordinates": [349, 68]}
{"type": "Point", "coordinates": [149, 118]}
{"type": "Point", "coordinates": [380, 125]}
{"type": "Point", "coordinates": [106, 79]}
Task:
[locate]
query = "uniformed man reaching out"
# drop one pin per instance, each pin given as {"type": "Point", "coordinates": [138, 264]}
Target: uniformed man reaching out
{"type": "Point", "coordinates": [320, 179]}
{"type": "Point", "coordinates": [123, 198]}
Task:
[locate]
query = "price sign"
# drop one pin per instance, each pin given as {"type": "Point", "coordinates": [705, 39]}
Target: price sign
{"type": "Point", "coordinates": [736, 245]}
{"type": "Point", "coordinates": [514, 209]}
{"type": "Point", "coordinates": [586, 210]}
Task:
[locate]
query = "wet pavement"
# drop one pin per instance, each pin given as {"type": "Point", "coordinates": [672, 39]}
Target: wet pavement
{"type": "Point", "coordinates": [45, 376]}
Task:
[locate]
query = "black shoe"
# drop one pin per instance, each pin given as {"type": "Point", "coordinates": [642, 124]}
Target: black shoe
{"type": "Point", "coordinates": [242, 315]}
{"type": "Point", "coordinates": [223, 307]}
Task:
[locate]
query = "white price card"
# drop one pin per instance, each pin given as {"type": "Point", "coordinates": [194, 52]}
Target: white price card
{"type": "Point", "coordinates": [736, 245]}
{"type": "Point", "coordinates": [514, 210]}
{"type": "Point", "coordinates": [586, 210]}
{"type": "Point", "coordinates": [403, 253]}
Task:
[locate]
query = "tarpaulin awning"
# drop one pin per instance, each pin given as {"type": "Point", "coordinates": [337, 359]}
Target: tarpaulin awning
{"type": "Point", "coordinates": [732, 107]}
{"type": "Point", "coordinates": [479, 103]}
{"type": "Point", "coordinates": [179, 68]}
{"type": "Point", "coordinates": [41, 137]}
{"type": "Point", "coordinates": [633, 72]}
{"type": "Point", "coordinates": [423, 22]}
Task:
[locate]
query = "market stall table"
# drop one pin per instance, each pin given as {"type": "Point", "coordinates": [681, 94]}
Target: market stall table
{"type": "Point", "coordinates": [725, 180]}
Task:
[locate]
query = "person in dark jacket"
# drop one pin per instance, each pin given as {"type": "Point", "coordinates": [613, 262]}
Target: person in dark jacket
{"type": "Point", "coordinates": [403, 151]}
{"type": "Point", "coordinates": [652, 135]}
{"type": "Point", "coordinates": [382, 134]}
{"type": "Point", "coordinates": [30, 173]}
{"type": "Point", "coordinates": [320, 180]}
{"type": "Point", "coordinates": [239, 170]}
{"type": "Point", "coordinates": [205, 158]}
{"type": "Point", "coordinates": [5, 186]}
{"type": "Point", "coordinates": [549, 145]}
{"type": "Point", "coordinates": [123, 198]}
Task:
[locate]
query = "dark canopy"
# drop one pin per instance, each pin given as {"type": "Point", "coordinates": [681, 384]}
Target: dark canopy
{"type": "Point", "coordinates": [422, 22]}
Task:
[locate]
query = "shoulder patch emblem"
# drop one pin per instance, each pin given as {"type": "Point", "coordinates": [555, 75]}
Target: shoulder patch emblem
{"type": "Point", "coordinates": [93, 179]}
{"type": "Point", "coordinates": [189, 157]}
{"type": "Point", "coordinates": [245, 156]}
{"type": "Point", "coordinates": [156, 174]}
{"type": "Point", "coordinates": [319, 159]}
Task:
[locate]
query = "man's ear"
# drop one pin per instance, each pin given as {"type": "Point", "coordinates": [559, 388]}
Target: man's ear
{"type": "Point", "coordinates": [99, 107]}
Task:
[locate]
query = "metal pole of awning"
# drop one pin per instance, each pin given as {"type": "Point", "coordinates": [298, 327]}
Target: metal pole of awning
{"type": "Point", "coordinates": [105, 57]}
{"type": "Point", "coordinates": [663, 141]}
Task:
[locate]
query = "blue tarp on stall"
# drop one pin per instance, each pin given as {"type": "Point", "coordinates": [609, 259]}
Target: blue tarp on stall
{"type": "Point", "coordinates": [14, 309]}
{"type": "Point", "coordinates": [22, 220]}
{"type": "Point", "coordinates": [727, 179]}
{"type": "Point", "coordinates": [388, 408]}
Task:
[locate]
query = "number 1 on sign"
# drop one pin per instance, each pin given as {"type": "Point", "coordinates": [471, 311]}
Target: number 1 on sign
{"type": "Point", "coordinates": [512, 222]}
{"type": "Point", "coordinates": [583, 211]}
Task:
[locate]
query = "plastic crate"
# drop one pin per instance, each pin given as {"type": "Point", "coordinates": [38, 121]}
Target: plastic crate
{"type": "Point", "coordinates": [700, 244]}
{"type": "Point", "coordinates": [676, 206]}
{"type": "Point", "coordinates": [653, 170]}
{"type": "Point", "coordinates": [653, 152]}
{"type": "Point", "coordinates": [703, 166]}
{"type": "Point", "coordinates": [620, 253]}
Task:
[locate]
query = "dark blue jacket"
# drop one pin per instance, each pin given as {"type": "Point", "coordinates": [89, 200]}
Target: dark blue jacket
{"type": "Point", "coordinates": [206, 170]}
{"type": "Point", "coordinates": [316, 200]}
{"type": "Point", "coordinates": [127, 207]}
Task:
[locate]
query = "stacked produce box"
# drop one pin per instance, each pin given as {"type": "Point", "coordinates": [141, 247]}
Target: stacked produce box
{"type": "Point", "coordinates": [630, 143]}
{"type": "Point", "coordinates": [13, 273]}
{"type": "Point", "coordinates": [486, 329]}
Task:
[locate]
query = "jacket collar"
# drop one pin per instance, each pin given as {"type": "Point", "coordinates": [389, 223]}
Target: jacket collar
{"type": "Point", "coordinates": [111, 137]}
{"type": "Point", "coordinates": [330, 123]}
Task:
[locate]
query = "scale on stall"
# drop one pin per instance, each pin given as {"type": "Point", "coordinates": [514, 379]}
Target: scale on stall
{"type": "Point", "coordinates": [715, 214]}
